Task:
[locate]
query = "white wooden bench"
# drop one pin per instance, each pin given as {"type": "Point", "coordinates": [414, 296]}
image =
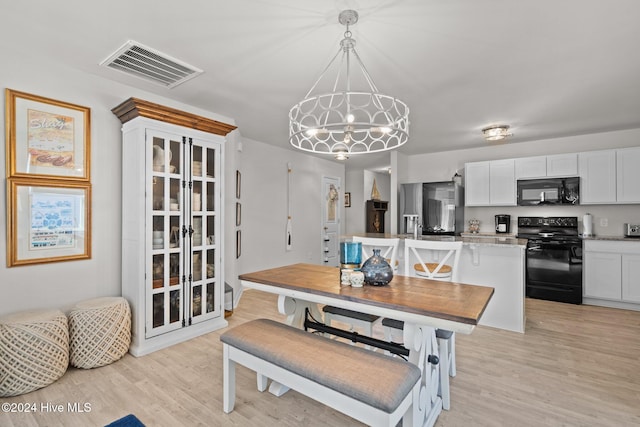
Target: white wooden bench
{"type": "Point", "coordinates": [371, 387]}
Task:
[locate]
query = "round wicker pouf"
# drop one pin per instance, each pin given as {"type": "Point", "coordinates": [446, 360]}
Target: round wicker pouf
{"type": "Point", "coordinates": [34, 350]}
{"type": "Point", "coordinates": [100, 332]}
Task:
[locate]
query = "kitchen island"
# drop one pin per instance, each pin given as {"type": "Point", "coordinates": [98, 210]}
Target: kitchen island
{"type": "Point", "coordinates": [488, 260]}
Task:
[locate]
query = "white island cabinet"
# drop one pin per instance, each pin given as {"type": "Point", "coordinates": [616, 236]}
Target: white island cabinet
{"type": "Point", "coordinates": [497, 262]}
{"type": "Point", "coordinates": [172, 203]}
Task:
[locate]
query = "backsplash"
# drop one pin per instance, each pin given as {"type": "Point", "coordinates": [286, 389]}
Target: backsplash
{"type": "Point", "coordinates": [614, 216]}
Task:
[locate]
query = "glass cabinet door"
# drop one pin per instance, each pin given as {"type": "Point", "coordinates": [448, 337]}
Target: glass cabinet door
{"type": "Point", "coordinates": [184, 187]}
{"type": "Point", "coordinates": [165, 301]}
{"type": "Point", "coordinates": [205, 284]}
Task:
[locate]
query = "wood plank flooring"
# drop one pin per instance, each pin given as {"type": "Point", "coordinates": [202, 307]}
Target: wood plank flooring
{"type": "Point", "coordinates": [574, 366]}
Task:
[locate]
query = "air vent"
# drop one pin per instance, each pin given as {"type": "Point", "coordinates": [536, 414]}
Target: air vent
{"type": "Point", "coordinates": [150, 64]}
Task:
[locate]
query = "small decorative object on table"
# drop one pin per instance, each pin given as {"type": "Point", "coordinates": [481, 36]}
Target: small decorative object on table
{"type": "Point", "coordinates": [474, 226]}
{"type": "Point", "coordinates": [377, 271]}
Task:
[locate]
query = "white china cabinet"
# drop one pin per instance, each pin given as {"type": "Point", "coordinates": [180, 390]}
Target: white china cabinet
{"type": "Point", "coordinates": [172, 204]}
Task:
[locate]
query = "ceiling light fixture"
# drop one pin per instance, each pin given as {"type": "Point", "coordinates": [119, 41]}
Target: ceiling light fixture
{"type": "Point", "coordinates": [496, 132]}
{"type": "Point", "coordinates": [343, 118]}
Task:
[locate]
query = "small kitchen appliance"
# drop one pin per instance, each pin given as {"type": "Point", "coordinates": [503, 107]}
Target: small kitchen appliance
{"type": "Point", "coordinates": [503, 223]}
{"type": "Point", "coordinates": [631, 230]}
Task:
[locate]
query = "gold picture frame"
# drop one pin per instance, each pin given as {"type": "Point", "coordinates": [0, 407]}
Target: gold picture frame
{"type": "Point", "coordinates": [47, 138]}
{"type": "Point", "coordinates": [47, 221]}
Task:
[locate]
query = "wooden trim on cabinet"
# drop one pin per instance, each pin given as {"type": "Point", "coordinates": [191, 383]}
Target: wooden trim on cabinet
{"type": "Point", "coordinates": [134, 107]}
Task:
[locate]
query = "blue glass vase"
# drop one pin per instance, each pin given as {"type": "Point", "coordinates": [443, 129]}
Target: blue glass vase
{"type": "Point", "coordinates": [377, 271]}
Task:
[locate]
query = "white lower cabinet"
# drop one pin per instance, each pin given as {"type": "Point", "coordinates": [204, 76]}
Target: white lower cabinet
{"type": "Point", "coordinates": [612, 270]}
{"type": "Point", "coordinates": [172, 235]}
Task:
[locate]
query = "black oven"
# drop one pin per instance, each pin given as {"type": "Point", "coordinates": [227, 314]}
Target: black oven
{"type": "Point", "coordinates": [549, 191]}
{"type": "Point", "coordinates": [553, 259]}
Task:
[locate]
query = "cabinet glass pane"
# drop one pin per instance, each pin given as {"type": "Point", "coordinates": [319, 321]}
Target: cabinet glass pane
{"type": "Point", "coordinates": [174, 194]}
{"type": "Point", "coordinates": [174, 306]}
{"type": "Point", "coordinates": [174, 269]}
{"type": "Point", "coordinates": [159, 157]}
{"type": "Point", "coordinates": [174, 231]}
{"type": "Point", "coordinates": [197, 266]}
{"type": "Point", "coordinates": [196, 164]}
{"type": "Point", "coordinates": [196, 196]}
{"type": "Point", "coordinates": [211, 191]}
{"type": "Point", "coordinates": [175, 163]}
{"type": "Point", "coordinates": [196, 302]}
{"type": "Point", "coordinates": [158, 271]}
{"type": "Point", "coordinates": [211, 164]}
{"type": "Point", "coordinates": [158, 310]}
{"type": "Point", "coordinates": [211, 230]}
{"type": "Point", "coordinates": [158, 193]}
{"type": "Point", "coordinates": [196, 238]}
{"type": "Point", "coordinates": [157, 236]}
{"type": "Point", "coordinates": [211, 264]}
{"type": "Point", "coordinates": [210, 297]}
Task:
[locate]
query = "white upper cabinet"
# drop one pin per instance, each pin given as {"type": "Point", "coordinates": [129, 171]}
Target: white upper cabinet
{"type": "Point", "coordinates": [502, 183]}
{"type": "Point", "coordinates": [628, 175]}
{"type": "Point", "coordinates": [490, 183]}
{"type": "Point", "coordinates": [597, 176]}
{"type": "Point", "coordinates": [476, 177]}
{"type": "Point", "coordinates": [558, 165]}
{"type": "Point", "coordinates": [562, 165]}
{"type": "Point", "coordinates": [531, 167]}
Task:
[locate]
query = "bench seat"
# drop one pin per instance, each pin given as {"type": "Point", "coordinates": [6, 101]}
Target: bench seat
{"type": "Point", "coordinates": [374, 388]}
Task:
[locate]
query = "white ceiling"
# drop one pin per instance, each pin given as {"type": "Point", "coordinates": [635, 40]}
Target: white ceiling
{"type": "Point", "coordinates": [548, 68]}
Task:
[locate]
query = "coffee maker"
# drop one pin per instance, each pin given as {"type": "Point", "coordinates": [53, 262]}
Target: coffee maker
{"type": "Point", "coordinates": [503, 223]}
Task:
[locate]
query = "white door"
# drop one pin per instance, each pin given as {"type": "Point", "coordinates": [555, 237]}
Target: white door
{"type": "Point", "coordinates": [331, 206]}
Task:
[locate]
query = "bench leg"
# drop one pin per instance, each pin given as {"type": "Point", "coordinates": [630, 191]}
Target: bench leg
{"type": "Point", "coordinates": [444, 373]}
{"type": "Point", "coordinates": [262, 381]}
{"type": "Point", "coordinates": [229, 381]}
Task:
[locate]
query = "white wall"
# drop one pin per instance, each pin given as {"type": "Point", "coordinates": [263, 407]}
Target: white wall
{"type": "Point", "coordinates": [62, 284]}
{"type": "Point", "coordinates": [264, 205]}
{"type": "Point", "coordinates": [355, 215]}
{"type": "Point", "coordinates": [442, 166]}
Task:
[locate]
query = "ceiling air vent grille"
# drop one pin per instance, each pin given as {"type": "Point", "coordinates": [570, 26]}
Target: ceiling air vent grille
{"type": "Point", "coordinates": [150, 64]}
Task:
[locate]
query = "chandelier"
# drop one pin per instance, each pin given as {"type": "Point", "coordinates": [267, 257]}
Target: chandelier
{"type": "Point", "coordinates": [348, 115]}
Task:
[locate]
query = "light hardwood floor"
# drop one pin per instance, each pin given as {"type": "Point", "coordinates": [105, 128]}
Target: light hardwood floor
{"type": "Point", "coordinates": [574, 366]}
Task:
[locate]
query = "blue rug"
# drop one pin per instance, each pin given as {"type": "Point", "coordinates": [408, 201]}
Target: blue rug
{"type": "Point", "coordinates": [128, 421]}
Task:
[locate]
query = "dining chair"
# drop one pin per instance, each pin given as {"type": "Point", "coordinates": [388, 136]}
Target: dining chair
{"type": "Point", "coordinates": [436, 260]}
{"type": "Point", "coordinates": [363, 321]}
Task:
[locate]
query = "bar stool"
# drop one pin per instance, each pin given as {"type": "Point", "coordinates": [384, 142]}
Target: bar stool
{"type": "Point", "coordinates": [446, 257]}
{"type": "Point", "coordinates": [34, 350]}
{"type": "Point", "coordinates": [389, 250]}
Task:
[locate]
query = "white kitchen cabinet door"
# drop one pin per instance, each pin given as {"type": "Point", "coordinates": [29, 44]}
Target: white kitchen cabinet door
{"type": "Point", "coordinates": [628, 175]}
{"type": "Point", "coordinates": [597, 176]}
{"type": "Point", "coordinates": [476, 177]}
{"type": "Point", "coordinates": [531, 167]}
{"type": "Point", "coordinates": [562, 165]}
{"type": "Point", "coordinates": [602, 275]}
{"type": "Point", "coordinates": [631, 277]}
{"type": "Point", "coordinates": [502, 183]}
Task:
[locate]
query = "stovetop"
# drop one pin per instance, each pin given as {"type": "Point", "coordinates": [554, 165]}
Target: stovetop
{"type": "Point", "coordinates": [563, 228]}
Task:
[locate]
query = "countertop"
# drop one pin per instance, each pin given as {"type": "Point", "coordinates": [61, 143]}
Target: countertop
{"type": "Point", "coordinates": [614, 238]}
{"type": "Point", "coordinates": [466, 238]}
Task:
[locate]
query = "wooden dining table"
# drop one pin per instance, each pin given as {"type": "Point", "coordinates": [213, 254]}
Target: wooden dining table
{"type": "Point", "coordinates": [423, 305]}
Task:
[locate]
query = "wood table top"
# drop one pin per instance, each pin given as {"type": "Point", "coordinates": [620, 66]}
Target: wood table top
{"type": "Point", "coordinates": [445, 300]}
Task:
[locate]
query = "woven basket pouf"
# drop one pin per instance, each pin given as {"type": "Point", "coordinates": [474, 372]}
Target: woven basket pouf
{"type": "Point", "coordinates": [34, 350]}
{"type": "Point", "coordinates": [99, 332]}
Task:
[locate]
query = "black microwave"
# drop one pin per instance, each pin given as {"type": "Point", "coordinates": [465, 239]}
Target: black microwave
{"type": "Point", "coordinates": [549, 191]}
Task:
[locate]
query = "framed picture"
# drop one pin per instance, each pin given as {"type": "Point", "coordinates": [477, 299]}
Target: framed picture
{"type": "Point", "coordinates": [238, 214]}
{"type": "Point", "coordinates": [347, 200]}
{"type": "Point", "coordinates": [238, 184]}
{"type": "Point", "coordinates": [47, 138]}
{"type": "Point", "coordinates": [48, 221]}
{"type": "Point", "coordinates": [238, 244]}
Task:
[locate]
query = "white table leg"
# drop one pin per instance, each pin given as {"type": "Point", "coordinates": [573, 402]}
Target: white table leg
{"type": "Point", "coordinates": [421, 342]}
